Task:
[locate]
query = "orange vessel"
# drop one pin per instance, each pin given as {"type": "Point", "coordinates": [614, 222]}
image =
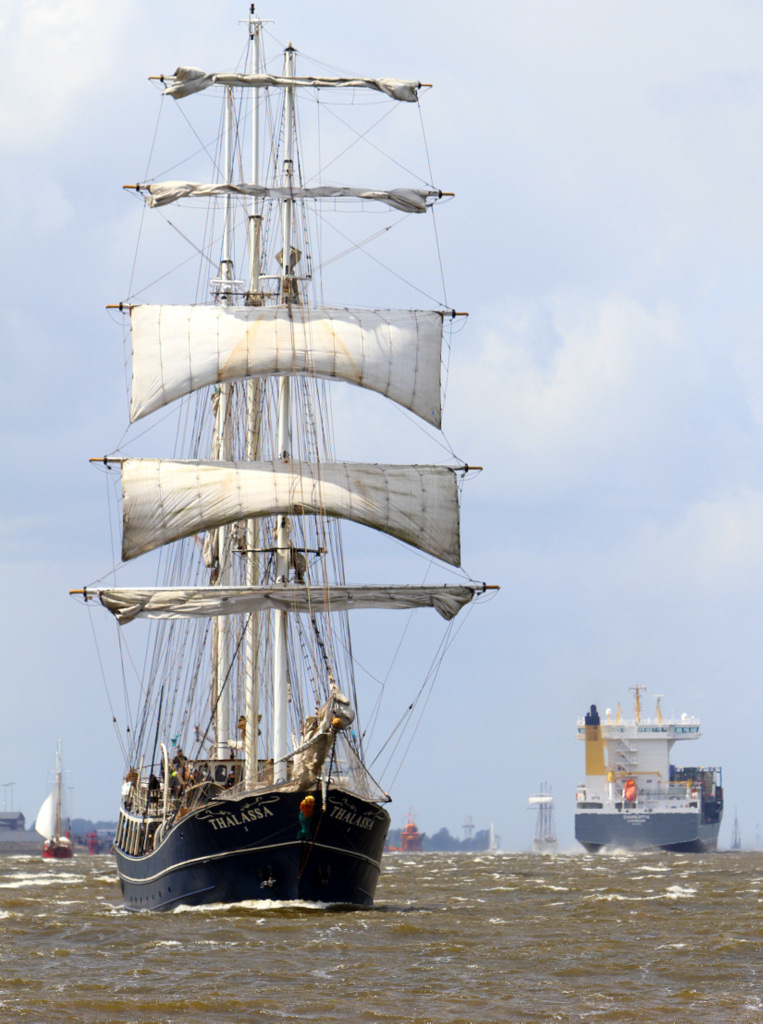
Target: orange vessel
{"type": "Point", "coordinates": [410, 838]}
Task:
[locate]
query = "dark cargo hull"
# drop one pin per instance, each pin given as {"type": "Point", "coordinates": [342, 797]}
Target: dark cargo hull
{"type": "Point", "coordinates": [634, 830]}
{"type": "Point", "coordinates": [249, 848]}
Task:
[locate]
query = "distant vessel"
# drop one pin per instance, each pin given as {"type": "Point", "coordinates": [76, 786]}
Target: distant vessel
{"type": "Point", "coordinates": [633, 797]}
{"type": "Point", "coordinates": [492, 840]}
{"type": "Point", "coordinates": [545, 833]}
{"type": "Point", "coordinates": [57, 844]}
{"type": "Point", "coordinates": [736, 837]}
{"type": "Point", "coordinates": [410, 838]}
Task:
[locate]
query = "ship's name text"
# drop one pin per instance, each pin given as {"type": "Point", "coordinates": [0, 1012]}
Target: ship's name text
{"type": "Point", "coordinates": [253, 814]}
{"type": "Point", "coordinates": [352, 818]}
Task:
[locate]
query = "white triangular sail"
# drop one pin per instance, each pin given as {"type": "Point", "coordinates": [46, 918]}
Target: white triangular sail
{"type": "Point", "coordinates": [178, 349]}
{"type": "Point", "coordinates": [45, 824]}
{"type": "Point", "coordinates": [492, 843]}
{"type": "Point", "coordinates": [164, 500]}
{"type": "Point", "coordinates": [128, 603]}
{"type": "Point", "coordinates": [407, 200]}
{"type": "Point", "coordinates": [190, 80]}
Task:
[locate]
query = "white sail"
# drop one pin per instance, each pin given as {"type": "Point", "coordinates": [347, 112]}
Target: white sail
{"type": "Point", "coordinates": [128, 603]}
{"type": "Point", "coordinates": [190, 80]}
{"type": "Point", "coordinates": [492, 843]}
{"type": "Point", "coordinates": [164, 500]}
{"type": "Point", "coordinates": [541, 798]}
{"type": "Point", "coordinates": [407, 200]}
{"type": "Point", "coordinates": [178, 349]}
{"type": "Point", "coordinates": [45, 823]}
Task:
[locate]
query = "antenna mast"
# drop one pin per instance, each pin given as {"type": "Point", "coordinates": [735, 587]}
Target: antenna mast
{"type": "Point", "coordinates": [637, 691]}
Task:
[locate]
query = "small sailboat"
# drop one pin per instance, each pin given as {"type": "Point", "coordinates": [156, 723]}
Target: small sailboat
{"type": "Point", "coordinates": [247, 774]}
{"type": "Point", "coordinates": [545, 833]}
{"type": "Point", "coordinates": [57, 845]}
{"type": "Point", "coordinates": [492, 840]}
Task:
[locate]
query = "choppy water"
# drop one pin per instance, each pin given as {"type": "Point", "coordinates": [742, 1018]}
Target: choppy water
{"type": "Point", "coordinates": [453, 938]}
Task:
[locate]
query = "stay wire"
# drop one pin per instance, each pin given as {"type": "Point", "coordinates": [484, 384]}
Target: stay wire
{"type": "Point", "coordinates": [384, 266]}
{"type": "Point", "coordinates": [439, 257]}
{"type": "Point", "coordinates": [202, 740]}
{"type": "Point", "coordinates": [106, 685]}
{"type": "Point", "coordinates": [377, 705]}
{"type": "Point", "coordinates": [448, 640]}
{"type": "Point", "coordinates": [363, 137]}
{"type": "Point", "coordinates": [402, 722]}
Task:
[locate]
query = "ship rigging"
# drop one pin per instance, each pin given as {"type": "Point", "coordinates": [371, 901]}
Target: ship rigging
{"type": "Point", "coordinates": [247, 772]}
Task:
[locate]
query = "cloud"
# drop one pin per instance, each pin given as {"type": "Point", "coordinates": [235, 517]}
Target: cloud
{"type": "Point", "coordinates": [606, 397]}
{"type": "Point", "coordinates": [715, 546]}
{"type": "Point", "coordinates": [40, 208]}
{"type": "Point", "coordinates": [53, 52]}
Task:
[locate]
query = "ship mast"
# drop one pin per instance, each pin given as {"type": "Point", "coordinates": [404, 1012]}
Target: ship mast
{"type": "Point", "coordinates": [59, 784]}
{"type": "Point", "coordinates": [254, 390]}
{"type": "Point", "coordinates": [254, 296]}
{"type": "Point", "coordinates": [658, 708]}
{"type": "Point", "coordinates": [637, 691]}
{"type": "Point", "coordinates": [224, 285]}
{"type": "Point", "coordinates": [283, 529]}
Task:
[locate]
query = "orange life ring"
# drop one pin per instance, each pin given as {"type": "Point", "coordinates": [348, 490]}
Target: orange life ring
{"type": "Point", "coordinates": [630, 791]}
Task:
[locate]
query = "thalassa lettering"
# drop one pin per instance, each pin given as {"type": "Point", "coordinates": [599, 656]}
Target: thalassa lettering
{"type": "Point", "coordinates": [351, 817]}
{"type": "Point", "coordinates": [239, 818]}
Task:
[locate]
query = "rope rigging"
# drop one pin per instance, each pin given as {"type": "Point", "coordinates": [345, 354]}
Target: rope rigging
{"type": "Point", "coordinates": [172, 677]}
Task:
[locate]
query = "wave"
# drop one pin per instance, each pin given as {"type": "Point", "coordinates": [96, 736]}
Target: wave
{"type": "Point", "coordinates": [37, 881]}
{"type": "Point", "coordinates": [258, 905]}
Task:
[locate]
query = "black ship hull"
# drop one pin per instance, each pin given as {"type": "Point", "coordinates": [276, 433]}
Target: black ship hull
{"type": "Point", "coordinates": [637, 830]}
{"type": "Point", "coordinates": [254, 847]}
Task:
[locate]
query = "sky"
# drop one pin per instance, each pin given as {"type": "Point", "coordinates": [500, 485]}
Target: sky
{"type": "Point", "coordinates": [606, 240]}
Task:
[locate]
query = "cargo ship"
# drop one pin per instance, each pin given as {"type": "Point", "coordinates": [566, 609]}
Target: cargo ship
{"type": "Point", "coordinates": [633, 797]}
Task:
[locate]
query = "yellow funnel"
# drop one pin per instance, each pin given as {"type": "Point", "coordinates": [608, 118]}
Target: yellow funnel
{"type": "Point", "coordinates": [594, 744]}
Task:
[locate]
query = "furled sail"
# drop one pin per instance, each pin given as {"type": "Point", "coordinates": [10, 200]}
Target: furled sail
{"type": "Point", "coordinates": [45, 823]}
{"type": "Point", "coordinates": [128, 603]}
{"type": "Point", "coordinates": [408, 200]}
{"type": "Point", "coordinates": [178, 349]}
{"type": "Point", "coordinates": [190, 80]}
{"type": "Point", "coordinates": [541, 798]}
{"type": "Point", "coordinates": [164, 500]}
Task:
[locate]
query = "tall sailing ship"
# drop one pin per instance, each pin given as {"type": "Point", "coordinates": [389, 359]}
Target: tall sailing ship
{"type": "Point", "coordinates": [49, 822]}
{"type": "Point", "coordinates": [544, 840]}
{"type": "Point", "coordinates": [633, 797]}
{"type": "Point", "coordinates": [247, 774]}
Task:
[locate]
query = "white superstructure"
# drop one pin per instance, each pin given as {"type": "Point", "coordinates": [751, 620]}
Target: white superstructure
{"type": "Point", "coordinates": [636, 749]}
